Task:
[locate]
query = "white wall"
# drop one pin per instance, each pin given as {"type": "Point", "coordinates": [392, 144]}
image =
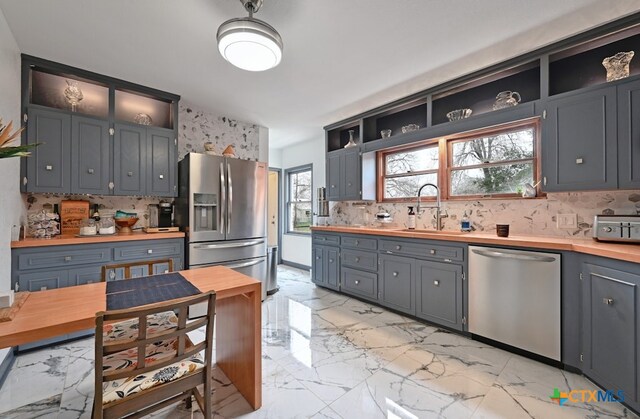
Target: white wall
{"type": "Point", "coordinates": [275, 158]}
{"type": "Point", "coordinates": [11, 208]}
{"type": "Point", "coordinates": [297, 248]}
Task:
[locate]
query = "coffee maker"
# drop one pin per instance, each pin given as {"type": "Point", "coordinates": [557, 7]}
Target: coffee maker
{"type": "Point", "coordinates": [161, 215]}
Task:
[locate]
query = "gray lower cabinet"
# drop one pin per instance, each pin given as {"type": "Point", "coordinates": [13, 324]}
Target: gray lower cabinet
{"type": "Point", "coordinates": [48, 168]}
{"type": "Point", "coordinates": [397, 283]}
{"type": "Point", "coordinates": [439, 292]}
{"type": "Point", "coordinates": [50, 267]}
{"type": "Point", "coordinates": [580, 141]}
{"type": "Point", "coordinates": [344, 175]}
{"type": "Point", "coordinates": [611, 327]}
{"type": "Point", "coordinates": [90, 156]}
{"type": "Point", "coordinates": [325, 266]}
{"type": "Point", "coordinates": [629, 135]}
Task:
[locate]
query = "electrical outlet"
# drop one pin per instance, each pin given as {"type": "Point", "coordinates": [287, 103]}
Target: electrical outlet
{"type": "Point", "coordinates": [567, 221]}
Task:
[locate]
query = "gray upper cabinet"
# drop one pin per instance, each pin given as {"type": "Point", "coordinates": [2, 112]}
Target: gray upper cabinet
{"type": "Point", "coordinates": [344, 182]}
{"type": "Point", "coordinates": [130, 159]}
{"type": "Point", "coordinates": [611, 326]}
{"type": "Point", "coordinates": [90, 156]}
{"type": "Point", "coordinates": [48, 168]}
{"type": "Point", "coordinates": [629, 135]}
{"type": "Point", "coordinates": [579, 141]}
{"type": "Point", "coordinates": [161, 162]}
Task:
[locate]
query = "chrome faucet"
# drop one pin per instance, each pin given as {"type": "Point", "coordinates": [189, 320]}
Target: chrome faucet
{"type": "Point", "coordinates": [439, 215]}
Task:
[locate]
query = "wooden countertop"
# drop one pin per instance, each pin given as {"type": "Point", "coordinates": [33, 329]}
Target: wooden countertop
{"type": "Point", "coordinates": [625, 251]}
{"type": "Point", "coordinates": [71, 239]}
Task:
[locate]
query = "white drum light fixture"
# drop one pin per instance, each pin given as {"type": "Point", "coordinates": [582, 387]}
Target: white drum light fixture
{"type": "Point", "coordinates": [248, 43]}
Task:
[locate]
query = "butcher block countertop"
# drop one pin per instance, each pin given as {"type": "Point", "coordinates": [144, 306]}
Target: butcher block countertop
{"type": "Point", "coordinates": [624, 251]}
{"type": "Point", "coordinates": [72, 239]}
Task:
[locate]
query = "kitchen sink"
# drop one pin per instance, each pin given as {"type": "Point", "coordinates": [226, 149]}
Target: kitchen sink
{"type": "Point", "coordinates": [419, 231]}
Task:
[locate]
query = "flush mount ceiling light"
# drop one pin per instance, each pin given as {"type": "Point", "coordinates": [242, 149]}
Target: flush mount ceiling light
{"type": "Point", "coordinates": [248, 43]}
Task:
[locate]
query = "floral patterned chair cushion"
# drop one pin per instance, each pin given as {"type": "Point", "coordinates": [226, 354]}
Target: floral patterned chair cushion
{"type": "Point", "coordinates": [127, 330]}
{"type": "Point", "coordinates": [157, 352]}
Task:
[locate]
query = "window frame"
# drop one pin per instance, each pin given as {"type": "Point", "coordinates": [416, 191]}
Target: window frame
{"type": "Point", "coordinates": [445, 167]}
{"type": "Point", "coordinates": [288, 202]}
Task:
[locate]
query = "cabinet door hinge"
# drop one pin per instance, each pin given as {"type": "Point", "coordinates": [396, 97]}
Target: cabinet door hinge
{"type": "Point", "coordinates": [581, 358]}
{"type": "Point", "coordinates": [581, 276]}
{"type": "Point", "coordinates": [544, 181]}
{"type": "Point", "coordinates": [25, 117]}
{"type": "Point", "coordinates": [112, 132]}
{"type": "Point", "coordinates": [175, 141]}
{"type": "Point", "coordinates": [544, 114]}
{"type": "Point", "coordinates": [25, 181]}
{"type": "Point", "coordinates": [16, 287]}
{"type": "Point", "coordinates": [463, 276]}
{"type": "Point", "coordinates": [175, 188]}
{"type": "Point", "coordinates": [111, 185]}
{"type": "Point", "coordinates": [464, 319]}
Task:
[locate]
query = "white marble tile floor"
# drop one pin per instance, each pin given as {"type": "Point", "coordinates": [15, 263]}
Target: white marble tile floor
{"type": "Point", "coordinates": [326, 355]}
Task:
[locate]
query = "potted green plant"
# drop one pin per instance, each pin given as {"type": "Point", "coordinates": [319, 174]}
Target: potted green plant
{"type": "Point", "coordinates": [6, 137]}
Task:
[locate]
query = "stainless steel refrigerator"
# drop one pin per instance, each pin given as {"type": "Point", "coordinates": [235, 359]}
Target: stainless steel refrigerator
{"type": "Point", "coordinates": [222, 207]}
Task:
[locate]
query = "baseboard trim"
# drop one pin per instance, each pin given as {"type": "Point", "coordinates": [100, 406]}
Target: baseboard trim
{"type": "Point", "coordinates": [5, 366]}
{"type": "Point", "coordinates": [295, 265]}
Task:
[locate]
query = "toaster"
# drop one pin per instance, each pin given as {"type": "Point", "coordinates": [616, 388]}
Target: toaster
{"type": "Point", "coordinates": [617, 228]}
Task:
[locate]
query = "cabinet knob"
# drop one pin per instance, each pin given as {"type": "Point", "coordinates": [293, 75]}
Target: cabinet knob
{"type": "Point", "coordinates": [330, 260]}
{"type": "Point", "coordinates": [436, 283]}
{"type": "Point", "coordinates": [49, 167]}
{"type": "Point", "coordinates": [357, 282]}
{"type": "Point", "coordinates": [348, 183]}
{"type": "Point", "coordinates": [579, 160]}
{"type": "Point", "coordinates": [395, 274]}
{"type": "Point", "coordinates": [357, 259]}
{"type": "Point", "coordinates": [161, 176]}
{"type": "Point", "coordinates": [357, 242]}
{"type": "Point", "coordinates": [608, 301]}
{"type": "Point", "coordinates": [149, 251]}
{"type": "Point", "coordinates": [43, 288]}
{"type": "Point", "coordinates": [432, 251]}
{"type": "Point", "coordinates": [90, 171]}
{"type": "Point", "coordinates": [129, 174]}
{"type": "Point", "coordinates": [317, 257]}
{"type": "Point", "coordinates": [90, 281]}
{"type": "Point", "coordinates": [333, 186]}
{"type": "Point", "coordinates": [67, 258]}
{"type": "Point", "coordinates": [398, 247]}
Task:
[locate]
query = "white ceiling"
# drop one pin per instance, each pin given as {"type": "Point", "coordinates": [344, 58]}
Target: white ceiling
{"type": "Point", "coordinates": [341, 57]}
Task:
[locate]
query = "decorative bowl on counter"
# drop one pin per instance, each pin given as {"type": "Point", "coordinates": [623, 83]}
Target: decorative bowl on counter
{"type": "Point", "coordinates": [125, 224]}
{"type": "Point", "coordinates": [410, 127]}
{"type": "Point", "coordinates": [459, 114]}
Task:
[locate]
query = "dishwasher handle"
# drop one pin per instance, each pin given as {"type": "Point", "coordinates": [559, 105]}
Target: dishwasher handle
{"type": "Point", "coordinates": [519, 256]}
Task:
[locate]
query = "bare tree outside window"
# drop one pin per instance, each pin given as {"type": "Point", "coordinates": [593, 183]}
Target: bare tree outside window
{"type": "Point", "coordinates": [299, 201]}
{"type": "Point", "coordinates": [497, 164]}
{"type": "Point", "coordinates": [405, 171]}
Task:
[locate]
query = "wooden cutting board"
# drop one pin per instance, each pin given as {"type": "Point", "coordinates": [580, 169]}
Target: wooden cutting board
{"type": "Point", "coordinates": [71, 215]}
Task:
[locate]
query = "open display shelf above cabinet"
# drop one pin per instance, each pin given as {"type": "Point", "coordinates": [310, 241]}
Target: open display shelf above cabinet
{"type": "Point", "coordinates": [58, 91]}
{"type": "Point", "coordinates": [581, 66]}
{"type": "Point", "coordinates": [480, 95]}
{"type": "Point", "coordinates": [394, 119]}
{"type": "Point", "coordinates": [141, 109]}
{"type": "Point", "coordinates": [339, 137]}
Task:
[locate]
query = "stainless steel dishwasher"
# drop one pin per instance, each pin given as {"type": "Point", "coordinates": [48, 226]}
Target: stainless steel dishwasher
{"type": "Point", "coordinates": [514, 298]}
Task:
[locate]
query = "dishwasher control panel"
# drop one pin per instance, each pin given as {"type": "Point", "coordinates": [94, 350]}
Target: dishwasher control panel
{"type": "Point", "coordinates": [618, 228]}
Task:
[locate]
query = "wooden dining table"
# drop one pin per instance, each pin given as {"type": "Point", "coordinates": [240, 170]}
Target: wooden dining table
{"type": "Point", "coordinates": [51, 313]}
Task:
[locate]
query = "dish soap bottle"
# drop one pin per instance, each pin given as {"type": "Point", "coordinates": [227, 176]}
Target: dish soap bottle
{"type": "Point", "coordinates": [411, 223]}
{"type": "Point", "coordinates": [465, 224]}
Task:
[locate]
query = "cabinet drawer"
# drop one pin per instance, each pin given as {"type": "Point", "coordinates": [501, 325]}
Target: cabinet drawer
{"type": "Point", "coordinates": [149, 250]}
{"type": "Point", "coordinates": [359, 243]}
{"type": "Point", "coordinates": [363, 284]}
{"type": "Point", "coordinates": [320, 238]}
{"type": "Point", "coordinates": [40, 281]}
{"type": "Point", "coordinates": [81, 276]}
{"type": "Point", "coordinates": [359, 259]}
{"type": "Point", "coordinates": [423, 250]}
{"type": "Point", "coordinates": [60, 258]}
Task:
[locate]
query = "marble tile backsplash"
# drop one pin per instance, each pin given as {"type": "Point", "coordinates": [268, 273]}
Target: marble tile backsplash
{"type": "Point", "coordinates": [196, 127]}
{"type": "Point", "coordinates": [525, 216]}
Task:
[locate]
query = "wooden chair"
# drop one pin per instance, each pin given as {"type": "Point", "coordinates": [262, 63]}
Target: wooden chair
{"type": "Point", "coordinates": [135, 378]}
{"type": "Point", "coordinates": [127, 267]}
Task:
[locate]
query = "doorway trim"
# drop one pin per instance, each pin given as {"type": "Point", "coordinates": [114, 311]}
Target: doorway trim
{"type": "Point", "coordinates": [279, 226]}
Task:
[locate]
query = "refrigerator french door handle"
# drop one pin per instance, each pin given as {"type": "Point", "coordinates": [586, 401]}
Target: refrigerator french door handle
{"type": "Point", "coordinates": [228, 245]}
{"type": "Point", "coordinates": [223, 197]}
{"type": "Point", "coordinates": [230, 210]}
{"type": "Point", "coordinates": [243, 265]}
